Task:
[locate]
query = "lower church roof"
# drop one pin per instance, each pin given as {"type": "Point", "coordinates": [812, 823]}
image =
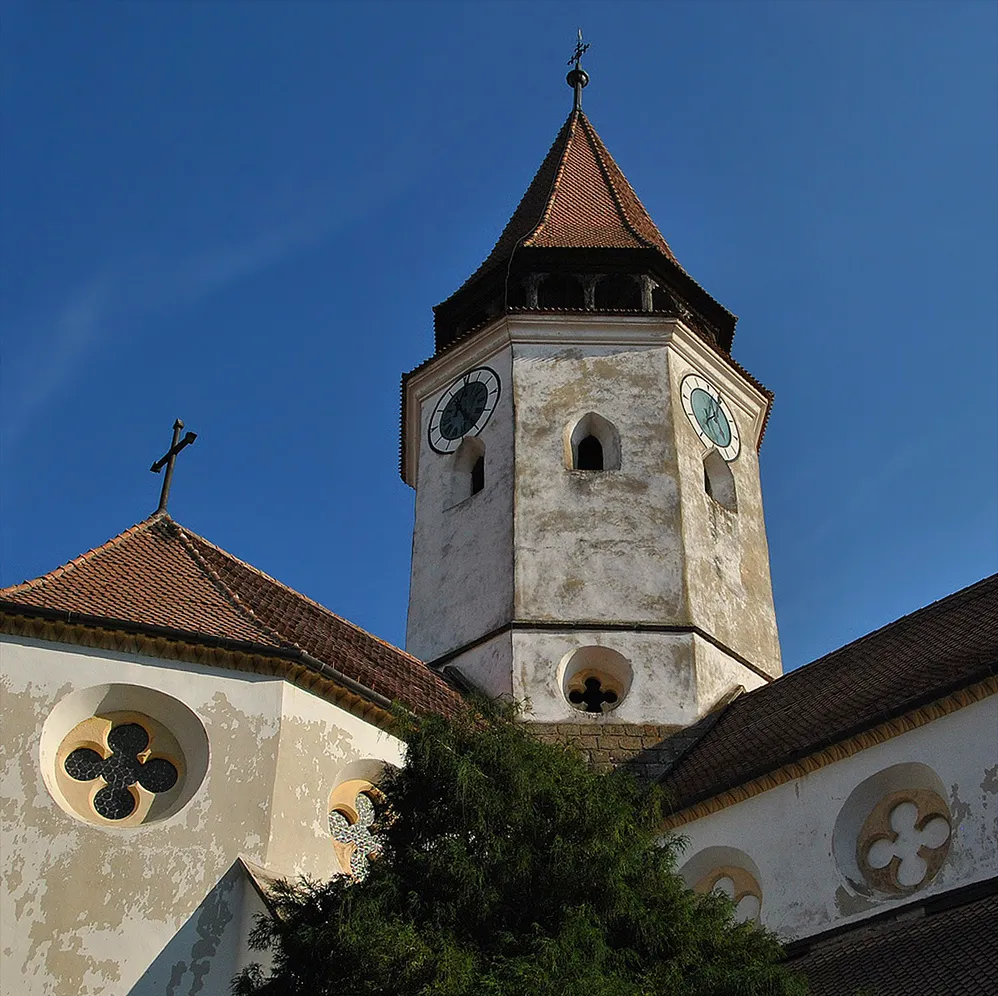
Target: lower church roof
{"type": "Point", "coordinates": [915, 660]}
{"type": "Point", "coordinates": [945, 947]}
{"type": "Point", "coordinates": [161, 578]}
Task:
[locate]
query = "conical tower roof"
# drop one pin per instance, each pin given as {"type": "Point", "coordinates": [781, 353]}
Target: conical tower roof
{"type": "Point", "coordinates": [581, 218]}
{"type": "Point", "coordinates": [579, 199]}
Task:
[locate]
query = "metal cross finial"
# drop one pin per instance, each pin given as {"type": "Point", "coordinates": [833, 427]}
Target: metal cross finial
{"type": "Point", "coordinates": [580, 51]}
{"type": "Point", "coordinates": [169, 458]}
{"type": "Point", "coordinates": [577, 78]}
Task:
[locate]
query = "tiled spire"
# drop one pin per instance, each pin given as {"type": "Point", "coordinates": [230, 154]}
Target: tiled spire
{"type": "Point", "coordinates": [579, 199]}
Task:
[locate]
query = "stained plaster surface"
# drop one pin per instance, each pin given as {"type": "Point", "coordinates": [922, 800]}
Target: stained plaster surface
{"type": "Point", "coordinates": [791, 836]}
{"type": "Point", "coordinates": [726, 554]}
{"type": "Point", "coordinates": [462, 555]}
{"type": "Point", "coordinates": [640, 546]}
{"type": "Point", "coordinates": [675, 677]}
{"type": "Point", "coordinates": [88, 909]}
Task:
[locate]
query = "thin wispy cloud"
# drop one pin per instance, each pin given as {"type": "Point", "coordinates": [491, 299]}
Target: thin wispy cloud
{"type": "Point", "coordinates": [47, 352]}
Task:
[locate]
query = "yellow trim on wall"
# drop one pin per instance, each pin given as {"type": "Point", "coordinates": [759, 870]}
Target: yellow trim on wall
{"type": "Point", "coordinates": [164, 648]}
{"type": "Point", "coordinates": [836, 752]}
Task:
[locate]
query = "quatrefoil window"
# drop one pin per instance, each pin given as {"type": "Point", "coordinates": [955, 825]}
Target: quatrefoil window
{"type": "Point", "coordinates": [739, 886]}
{"type": "Point", "coordinates": [904, 841]}
{"type": "Point", "coordinates": [119, 766]}
{"type": "Point", "coordinates": [127, 764]}
{"type": "Point", "coordinates": [351, 823]}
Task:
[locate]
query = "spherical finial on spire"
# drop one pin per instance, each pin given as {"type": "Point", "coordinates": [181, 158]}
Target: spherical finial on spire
{"type": "Point", "coordinates": [577, 77]}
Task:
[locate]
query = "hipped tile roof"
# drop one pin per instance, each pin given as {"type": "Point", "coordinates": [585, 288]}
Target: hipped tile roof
{"type": "Point", "coordinates": [947, 645]}
{"type": "Point", "coordinates": [578, 199]}
{"type": "Point", "coordinates": [946, 953]}
{"type": "Point", "coordinates": [161, 576]}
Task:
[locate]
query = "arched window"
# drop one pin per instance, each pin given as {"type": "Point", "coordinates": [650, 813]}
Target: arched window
{"type": "Point", "coordinates": [619, 291]}
{"type": "Point", "coordinates": [560, 290]}
{"type": "Point", "coordinates": [467, 471]}
{"type": "Point", "coordinates": [590, 454]}
{"type": "Point", "coordinates": [592, 444]}
{"type": "Point", "coordinates": [478, 475]}
{"type": "Point", "coordinates": [719, 482]}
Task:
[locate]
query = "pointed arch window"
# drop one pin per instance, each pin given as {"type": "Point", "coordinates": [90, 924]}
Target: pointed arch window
{"type": "Point", "coordinates": [467, 471]}
{"type": "Point", "coordinates": [719, 482]}
{"type": "Point", "coordinates": [590, 454]}
{"type": "Point", "coordinates": [593, 443]}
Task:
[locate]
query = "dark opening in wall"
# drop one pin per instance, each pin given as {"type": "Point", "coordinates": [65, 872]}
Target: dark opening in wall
{"type": "Point", "coordinates": [590, 454]}
{"type": "Point", "coordinates": [618, 291]}
{"type": "Point", "coordinates": [558, 290]}
{"type": "Point", "coordinates": [478, 475]}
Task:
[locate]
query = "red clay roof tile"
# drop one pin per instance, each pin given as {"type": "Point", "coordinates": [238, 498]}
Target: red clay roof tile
{"type": "Point", "coordinates": [579, 198]}
{"type": "Point", "coordinates": [159, 574]}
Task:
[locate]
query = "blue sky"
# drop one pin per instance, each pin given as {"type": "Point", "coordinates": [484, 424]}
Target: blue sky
{"type": "Point", "coordinates": [242, 214]}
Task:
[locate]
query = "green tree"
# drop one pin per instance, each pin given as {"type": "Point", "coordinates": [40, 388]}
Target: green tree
{"type": "Point", "coordinates": [510, 869]}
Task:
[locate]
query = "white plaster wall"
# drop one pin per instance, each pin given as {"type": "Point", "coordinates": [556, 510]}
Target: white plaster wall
{"type": "Point", "coordinates": [489, 665]}
{"type": "Point", "coordinates": [787, 831]}
{"type": "Point", "coordinates": [726, 554]}
{"type": "Point", "coordinates": [461, 585]}
{"type": "Point", "coordinates": [596, 546]}
{"type": "Point", "coordinates": [664, 686]}
{"type": "Point", "coordinates": [87, 909]}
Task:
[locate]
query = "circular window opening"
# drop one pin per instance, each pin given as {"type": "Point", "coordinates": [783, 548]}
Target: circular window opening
{"type": "Point", "coordinates": [122, 755]}
{"type": "Point", "coordinates": [354, 808]}
{"type": "Point", "coordinates": [893, 833]}
{"type": "Point", "coordinates": [595, 679]}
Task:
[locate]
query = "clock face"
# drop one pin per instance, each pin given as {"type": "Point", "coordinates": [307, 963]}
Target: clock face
{"type": "Point", "coordinates": [710, 415]}
{"type": "Point", "coordinates": [463, 409]}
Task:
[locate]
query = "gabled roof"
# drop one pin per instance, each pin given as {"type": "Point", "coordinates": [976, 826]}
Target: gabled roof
{"type": "Point", "coordinates": [162, 578]}
{"type": "Point", "coordinates": [578, 199]}
{"type": "Point", "coordinates": [917, 659]}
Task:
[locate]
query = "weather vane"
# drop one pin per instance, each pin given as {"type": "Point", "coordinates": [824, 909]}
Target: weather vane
{"type": "Point", "coordinates": [577, 78]}
{"type": "Point", "coordinates": [580, 51]}
{"type": "Point", "coordinates": [169, 459]}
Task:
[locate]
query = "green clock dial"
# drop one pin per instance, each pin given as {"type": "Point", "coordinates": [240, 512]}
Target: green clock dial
{"type": "Point", "coordinates": [710, 416]}
{"type": "Point", "coordinates": [463, 409]}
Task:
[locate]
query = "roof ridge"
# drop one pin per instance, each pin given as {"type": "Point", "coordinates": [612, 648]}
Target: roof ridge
{"type": "Point", "coordinates": [590, 133]}
{"type": "Point", "coordinates": [91, 554]}
{"type": "Point", "coordinates": [572, 123]}
{"type": "Point", "coordinates": [297, 594]}
{"type": "Point", "coordinates": [237, 603]}
{"type": "Point", "coordinates": [968, 593]}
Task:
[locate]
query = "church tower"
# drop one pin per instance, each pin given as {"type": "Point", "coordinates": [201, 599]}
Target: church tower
{"type": "Point", "coordinates": [589, 534]}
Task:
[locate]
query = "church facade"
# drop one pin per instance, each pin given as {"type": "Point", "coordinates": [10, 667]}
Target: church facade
{"type": "Point", "coordinates": [181, 729]}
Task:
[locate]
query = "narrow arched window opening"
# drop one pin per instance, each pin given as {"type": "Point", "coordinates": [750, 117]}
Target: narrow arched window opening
{"type": "Point", "coordinates": [590, 454]}
{"type": "Point", "coordinates": [592, 444]}
{"type": "Point", "coordinates": [467, 473]}
{"type": "Point", "coordinates": [478, 475]}
{"type": "Point", "coordinates": [719, 481]}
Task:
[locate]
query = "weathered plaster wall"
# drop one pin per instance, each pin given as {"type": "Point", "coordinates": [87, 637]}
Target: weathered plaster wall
{"type": "Point", "coordinates": [726, 554]}
{"type": "Point", "coordinates": [596, 546]}
{"type": "Point", "coordinates": [788, 831]}
{"type": "Point", "coordinates": [461, 585]}
{"type": "Point", "coordinates": [673, 678]}
{"type": "Point", "coordinates": [86, 908]}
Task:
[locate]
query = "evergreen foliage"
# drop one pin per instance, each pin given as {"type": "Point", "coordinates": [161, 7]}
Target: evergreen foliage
{"type": "Point", "coordinates": [511, 869]}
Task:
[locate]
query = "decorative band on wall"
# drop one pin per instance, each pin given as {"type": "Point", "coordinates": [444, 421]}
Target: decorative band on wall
{"type": "Point", "coordinates": [837, 752]}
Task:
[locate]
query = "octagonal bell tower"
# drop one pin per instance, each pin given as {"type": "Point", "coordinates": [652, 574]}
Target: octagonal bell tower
{"type": "Point", "coordinates": [589, 535]}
